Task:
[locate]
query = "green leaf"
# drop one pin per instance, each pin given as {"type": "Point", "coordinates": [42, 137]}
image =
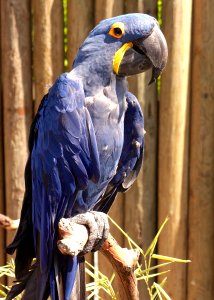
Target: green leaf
{"type": "Point", "coordinates": [154, 242]}
{"type": "Point", "coordinates": [130, 241]}
{"type": "Point", "coordinates": [154, 296]}
{"type": "Point", "coordinates": [100, 282]}
{"type": "Point", "coordinates": [141, 272]}
{"type": "Point", "coordinates": [158, 292]}
{"type": "Point", "coordinates": [170, 259]}
{"type": "Point", "coordinates": [161, 290]}
{"type": "Point", "coordinates": [152, 275]}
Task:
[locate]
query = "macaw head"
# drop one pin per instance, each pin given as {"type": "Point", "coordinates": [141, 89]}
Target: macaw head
{"type": "Point", "coordinates": [125, 45]}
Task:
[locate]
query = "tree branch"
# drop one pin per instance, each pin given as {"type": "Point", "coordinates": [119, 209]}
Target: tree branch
{"type": "Point", "coordinates": [123, 261]}
{"type": "Point", "coordinates": [73, 237]}
{"type": "Point", "coordinates": [7, 223]}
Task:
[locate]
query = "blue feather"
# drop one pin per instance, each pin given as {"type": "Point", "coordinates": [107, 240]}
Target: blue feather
{"type": "Point", "coordinates": [86, 145]}
{"type": "Point", "coordinates": [64, 151]}
{"type": "Point", "coordinates": [131, 156]}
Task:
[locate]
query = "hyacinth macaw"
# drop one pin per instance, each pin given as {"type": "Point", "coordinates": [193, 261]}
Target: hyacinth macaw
{"type": "Point", "coordinates": [86, 145]}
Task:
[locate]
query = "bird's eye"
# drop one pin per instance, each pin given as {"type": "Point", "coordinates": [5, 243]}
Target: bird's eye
{"type": "Point", "coordinates": [117, 30]}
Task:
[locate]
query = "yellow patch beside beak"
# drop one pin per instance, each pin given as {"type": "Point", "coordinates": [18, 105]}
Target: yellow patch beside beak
{"type": "Point", "coordinates": [119, 56]}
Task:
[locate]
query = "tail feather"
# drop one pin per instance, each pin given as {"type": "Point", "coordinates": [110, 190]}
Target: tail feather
{"type": "Point", "coordinates": [19, 286]}
{"type": "Point", "coordinates": [64, 281]}
{"type": "Point", "coordinates": [34, 285]}
{"type": "Point", "coordinates": [62, 276]}
{"type": "Point", "coordinates": [72, 267]}
{"type": "Point", "coordinates": [23, 242]}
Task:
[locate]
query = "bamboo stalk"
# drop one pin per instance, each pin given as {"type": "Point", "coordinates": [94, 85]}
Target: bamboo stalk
{"type": "Point", "coordinates": [48, 54]}
{"type": "Point", "coordinates": [17, 101]}
{"type": "Point", "coordinates": [201, 205]}
{"type": "Point", "coordinates": [173, 141]}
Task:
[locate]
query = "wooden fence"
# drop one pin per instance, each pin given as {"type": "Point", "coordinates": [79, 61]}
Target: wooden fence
{"type": "Point", "coordinates": [178, 173]}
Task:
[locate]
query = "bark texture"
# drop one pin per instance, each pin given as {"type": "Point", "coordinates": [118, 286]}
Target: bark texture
{"type": "Point", "coordinates": [174, 141]}
{"type": "Point", "coordinates": [17, 99]}
{"type": "Point", "coordinates": [48, 51]}
{"type": "Point", "coordinates": [201, 205]}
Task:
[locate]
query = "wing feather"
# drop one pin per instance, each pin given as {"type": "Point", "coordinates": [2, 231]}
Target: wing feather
{"type": "Point", "coordinates": [132, 154]}
{"type": "Point", "coordinates": [64, 158]}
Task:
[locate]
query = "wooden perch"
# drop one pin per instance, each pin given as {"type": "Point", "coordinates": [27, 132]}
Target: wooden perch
{"type": "Point", "coordinates": [123, 261]}
{"type": "Point", "coordinates": [7, 223]}
{"type": "Point", "coordinates": [73, 237]}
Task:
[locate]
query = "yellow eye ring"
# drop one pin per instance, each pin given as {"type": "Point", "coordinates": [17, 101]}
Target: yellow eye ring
{"type": "Point", "coordinates": [117, 30]}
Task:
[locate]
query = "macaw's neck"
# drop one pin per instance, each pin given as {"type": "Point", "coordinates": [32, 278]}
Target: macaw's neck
{"type": "Point", "coordinates": [92, 77]}
{"type": "Point", "coordinates": [100, 79]}
{"type": "Point", "coordinates": [102, 88]}
{"type": "Point", "coordinates": [93, 64]}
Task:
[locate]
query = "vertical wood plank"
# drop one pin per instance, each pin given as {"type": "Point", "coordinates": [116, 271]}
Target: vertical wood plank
{"type": "Point", "coordinates": [132, 6]}
{"type": "Point", "coordinates": [201, 206]}
{"type": "Point", "coordinates": [17, 101]}
{"type": "Point", "coordinates": [2, 199]}
{"type": "Point", "coordinates": [145, 188]}
{"type": "Point", "coordinates": [78, 27]}
{"type": "Point", "coordinates": [140, 202]}
{"type": "Point", "coordinates": [173, 141]}
{"type": "Point", "coordinates": [149, 103]}
{"type": "Point", "coordinates": [57, 38]}
{"type": "Point", "coordinates": [48, 47]}
{"type": "Point", "coordinates": [108, 8]}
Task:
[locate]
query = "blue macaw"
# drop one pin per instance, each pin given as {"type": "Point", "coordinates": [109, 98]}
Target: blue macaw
{"type": "Point", "coordinates": [86, 145]}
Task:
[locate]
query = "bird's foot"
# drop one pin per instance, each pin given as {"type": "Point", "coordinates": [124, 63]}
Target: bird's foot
{"type": "Point", "coordinates": [98, 230]}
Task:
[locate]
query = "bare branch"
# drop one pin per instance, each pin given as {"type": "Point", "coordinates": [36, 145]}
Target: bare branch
{"type": "Point", "coordinates": [73, 238]}
{"type": "Point", "coordinates": [7, 223]}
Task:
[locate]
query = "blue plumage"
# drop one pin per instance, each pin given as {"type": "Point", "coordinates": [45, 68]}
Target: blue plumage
{"type": "Point", "coordinates": [63, 161]}
{"type": "Point", "coordinates": [86, 144]}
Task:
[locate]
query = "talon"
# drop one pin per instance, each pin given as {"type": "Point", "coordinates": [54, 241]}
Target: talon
{"type": "Point", "coordinates": [98, 228]}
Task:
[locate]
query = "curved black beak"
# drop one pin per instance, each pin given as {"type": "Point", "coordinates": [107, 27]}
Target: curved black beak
{"type": "Point", "coordinates": [155, 48]}
{"type": "Point", "coordinates": [146, 53]}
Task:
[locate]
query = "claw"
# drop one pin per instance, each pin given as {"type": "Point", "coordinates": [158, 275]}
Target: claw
{"type": "Point", "coordinates": [98, 229]}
